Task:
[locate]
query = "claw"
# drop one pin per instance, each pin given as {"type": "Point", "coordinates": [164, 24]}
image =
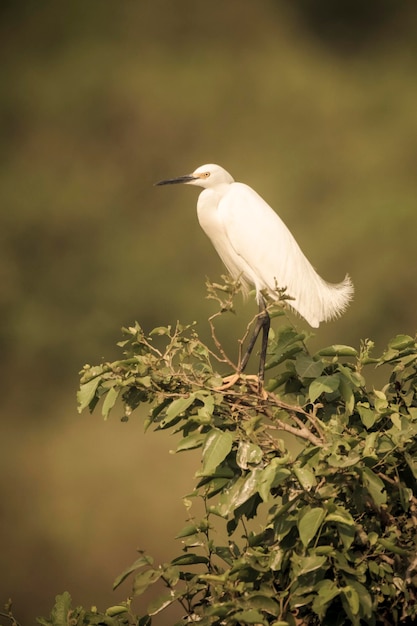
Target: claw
{"type": "Point", "coordinates": [228, 382]}
{"type": "Point", "coordinates": [253, 379]}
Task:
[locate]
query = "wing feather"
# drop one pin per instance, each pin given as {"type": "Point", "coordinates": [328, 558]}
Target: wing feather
{"type": "Point", "coordinates": [270, 257]}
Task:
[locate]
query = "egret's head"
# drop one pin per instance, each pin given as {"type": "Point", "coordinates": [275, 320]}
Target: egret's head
{"type": "Point", "coordinates": [206, 176]}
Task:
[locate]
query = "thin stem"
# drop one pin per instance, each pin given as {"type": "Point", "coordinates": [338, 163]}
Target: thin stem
{"type": "Point", "coordinates": [225, 358]}
{"type": "Point", "coordinates": [185, 605]}
{"type": "Point", "coordinates": [205, 532]}
{"type": "Point", "coordinates": [303, 433]}
{"type": "Point", "coordinates": [245, 530]}
{"type": "Point", "coordinates": [293, 409]}
{"type": "Point", "coordinates": [11, 618]}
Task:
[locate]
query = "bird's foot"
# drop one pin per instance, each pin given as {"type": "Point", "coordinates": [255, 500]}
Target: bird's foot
{"type": "Point", "coordinates": [257, 384]}
{"type": "Point", "coordinates": [253, 380]}
{"type": "Point", "coordinates": [228, 382]}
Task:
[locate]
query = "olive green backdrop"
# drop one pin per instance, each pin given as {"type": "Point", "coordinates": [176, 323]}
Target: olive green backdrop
{"type": "Point", "coordinates": [314, 104]}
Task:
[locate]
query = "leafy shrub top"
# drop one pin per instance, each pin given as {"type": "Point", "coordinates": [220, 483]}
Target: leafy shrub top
{"type": "Point", "coordinates": [325, 466]}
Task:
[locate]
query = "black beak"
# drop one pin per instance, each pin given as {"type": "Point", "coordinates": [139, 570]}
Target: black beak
{"type": "Point", "coordinates": [175, 181]}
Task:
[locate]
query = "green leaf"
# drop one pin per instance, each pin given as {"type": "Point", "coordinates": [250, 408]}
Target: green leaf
{"type": "Point", "coordinates": [206, 411]}
{"type": "Point", "coordinates": [109, 401]}
{"type": "Point", "coordinates": [276, 557]}
{"type": "Point", "coordinates": [171, 574]}
{"type": "Point", "coordinates": [161, 603]}
{"type": "Point", "coordinates": [412, 464]}
{"type": "Point", "coordinates": [243, 489]}
{"type": "Point", "coordinates": [273, 474]}
{"type": "Point", "coordinates": [191, 442]}
{"type": "Point", "coordinates": [248, 454]}
{"type": "Point", "coordinates": [375, 486]}
{"type": "Point", "coordinates": [323, 384]}
{"type": "Point", "coordinates": [364, 596]}
{"type": "Point", "coordinates": [306, 564]}
{"type": "Point", "coordinates": [310, 520]}
{"type": "Point", "coordinates": [352, 376]}
{"type": "Point", "coordinates": [380, 401]}
{"type": "Point", "coordinates": [338, 350]}
{"type": "Point", "coordinates": [216, 485]}
{"type": "Point", "coordinates": [337, 460]}
{"type": "Point", "coordinates": [187, 531]}
{"type": "Point", "coordinates": [326, 592]}
{"type": "Point", "coordinates": [144, 381]}
{"type": "Point", "coordinates": [370, 445]}
{"type": "Point", "coordinates": [396, 346]}
{"type": "Point", "coordinates": [307, 367]}
{"type": "Point", "coordinates": [400, 342]}
{"type": "Point", "coordinates": [352, 598]}
{"type": "Point", "coordinates": [215, 578]}
{"type": "Point", "coordinates": [347, 394]}
{"type": "Point", "coordinates": [144, 579]}
{"type": "Point", "coordinates": [86, 393]}
{"type": "Point", "coordinates": [177, 407]}
{"type": "Point", "coordinates": [346, 534]}
{"type": "Point", "coordinates": [264, 603]}
{"type": "Point", "coordinates": [225, 553]}
{"type": "Point", "coordinates": [216, 447]}
{"type": "Point", "coordinates": [117, 609]}
{"type": "Point", "coordinates": [60, 612]}
{"type": "Point", "coordinates": [305, 477]}
{"type": "Point", "coordinates": [142, 561]}
{"type": "Point", "coordinates": [220, 610]}
{"type": "Point", "coordinates": [160, 330]}
{"type": "Point", "coordinates": [339, 515]}
{"type": "Point", "coordinates": [286, 346]}
{"type": "Point", "coordinates": [392, 547]}
{"type": "Point", "coordinates": [368, 416]}
{"type": "Point", "coordinates": [189, 559]}
{"type": "Point", "coordinates": [248, 617]}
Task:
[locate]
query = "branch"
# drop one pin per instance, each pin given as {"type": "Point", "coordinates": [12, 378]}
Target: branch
{"type": "Point", "coordinates": [294, 409]}
{"type": "Point", "coordinates": [224, 358]}
{"type": "Point", "coordinates": [302, 432]}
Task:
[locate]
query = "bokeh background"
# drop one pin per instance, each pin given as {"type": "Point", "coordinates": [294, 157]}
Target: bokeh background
{"type": "Point", "coordinates": [311, 102]}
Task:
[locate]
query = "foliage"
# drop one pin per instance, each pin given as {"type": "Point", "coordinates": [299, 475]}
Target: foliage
{"type": "Point", "coordinates": [314, 482]}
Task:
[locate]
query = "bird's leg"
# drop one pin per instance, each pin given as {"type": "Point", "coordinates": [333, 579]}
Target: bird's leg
{"type": "Point", "coordinates": [252, 341]}
{"type": "Point", "coordinates": [266, 324]}
{"type": "Point", "coordinates": [263, 323]}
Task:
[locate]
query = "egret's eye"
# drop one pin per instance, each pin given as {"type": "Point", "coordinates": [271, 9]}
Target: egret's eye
{"type": "Point", "coordinates": [206, 174]}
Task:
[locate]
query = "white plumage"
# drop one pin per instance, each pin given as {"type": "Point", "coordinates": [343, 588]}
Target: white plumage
{"type": "Point", "coordinates": [258, 249]}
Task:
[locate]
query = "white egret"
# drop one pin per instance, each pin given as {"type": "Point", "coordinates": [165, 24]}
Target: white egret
{"type": "Point", "coordinates": [258, 249]}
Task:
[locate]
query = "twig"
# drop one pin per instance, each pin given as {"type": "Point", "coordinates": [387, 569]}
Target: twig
{"type": "Point", "coordinates": [11, 618]}
{"type": "Point", "coordinates": [242, 340]}
{"type": "Point", "coordinates": [389, 480]}
{"type": "Point", "coordinates": [225, 358]}
{"type": "Point", "coordinates": [179, 599]}
{"type": "Point", "coordinates": [302, 432]}
{"type": "Point", "coordinates": [293, 410]}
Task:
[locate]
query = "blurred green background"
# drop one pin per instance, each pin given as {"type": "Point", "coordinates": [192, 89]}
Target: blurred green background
{"type": "Point", "coordinates": [313, 103]}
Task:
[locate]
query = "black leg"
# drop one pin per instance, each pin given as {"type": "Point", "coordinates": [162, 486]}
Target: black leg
{"type": "Point", "coordinates": [266, 323]}
{"type": "Point", "coordinates": [263, 323]}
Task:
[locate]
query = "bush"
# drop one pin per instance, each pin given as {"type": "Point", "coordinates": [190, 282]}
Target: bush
{"type": "Point", "coordinates": [325, 467]}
